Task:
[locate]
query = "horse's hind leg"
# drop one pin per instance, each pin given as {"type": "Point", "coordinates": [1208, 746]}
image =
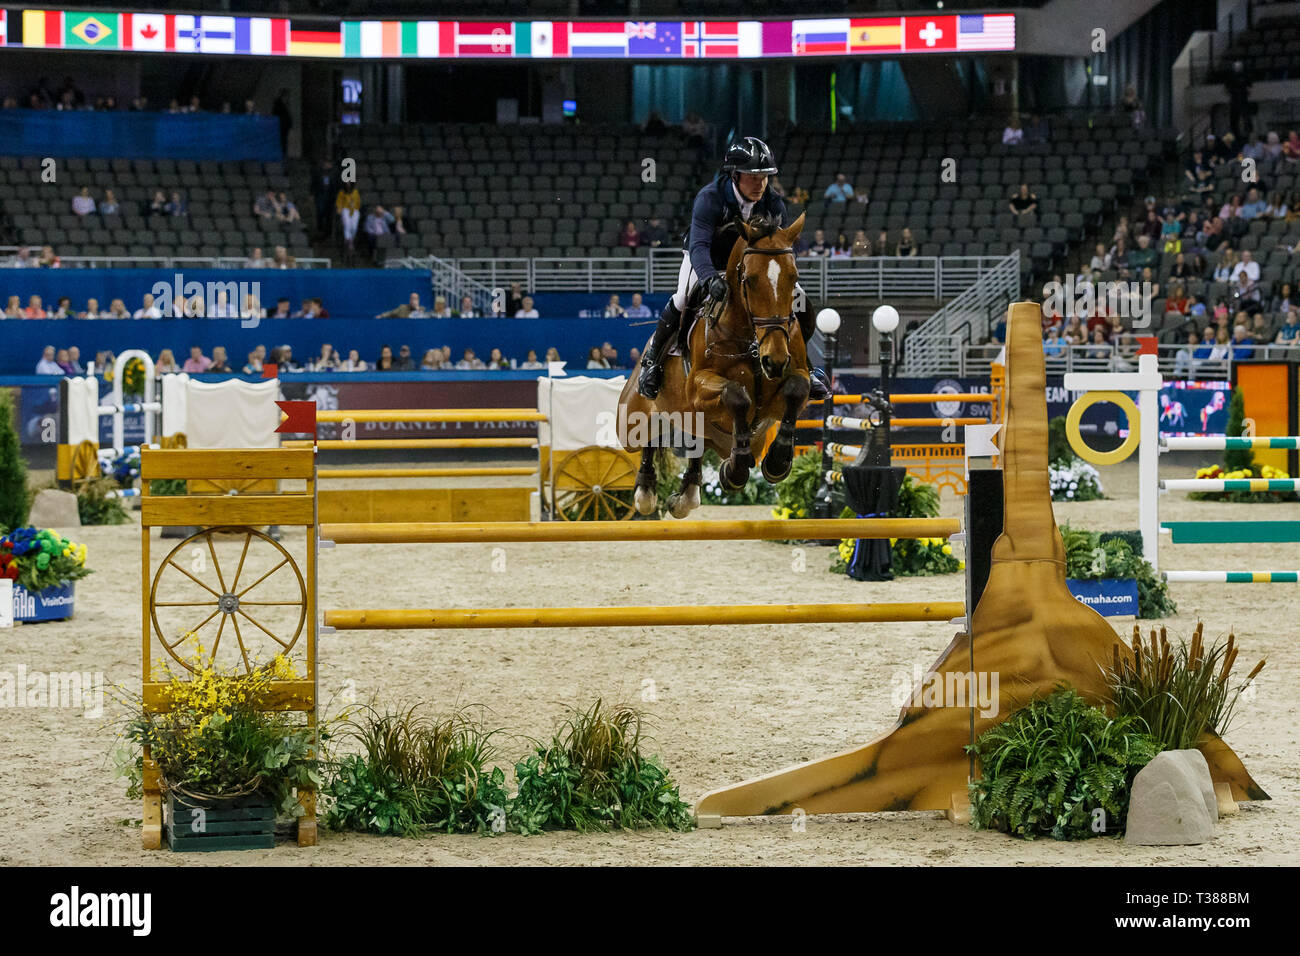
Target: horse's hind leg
{"type": "Point", "coordinates": [688, 498]}
{"type": "Point", "coordinates": [647, 495]}
{"type": "Point", "coordinates": [780, 454]}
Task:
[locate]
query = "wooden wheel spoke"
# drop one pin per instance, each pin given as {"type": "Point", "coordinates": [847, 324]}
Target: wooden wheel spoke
{"type": "Point", "coordinates": [243, 651]}
{"type": "Point", "coordinates": [193, 630]}
{"type": "Point", "coordinates": [239, 568]}
{"type": "Point", "coordinates": [216, 564]}
{"type": "Point", "coordinates": [610, 465]}
{"type": "Point", "coordinates": [215, 594]}
{"type": "Point", "coordinates": [220, 630]}
{"type": "Point", "coordinates": [282, 563]}
{"type": "Point", "coordinates": [269, 603]}
{"type": "Point", "coordinates": [184, 603]}
{"type": "Point", "coordinates": [258, 625]}
{"type": "Point", "coordinates": [587, 500]}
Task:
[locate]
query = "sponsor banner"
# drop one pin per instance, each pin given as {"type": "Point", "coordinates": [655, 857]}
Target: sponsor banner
{"type": "Point", "coordinates": [1109, 597]}
{"type": "Point", "coordinates": [52, 604]}
{"type": "Point", "coordinates": [1186, 409]}
{"type": "Point", "coordinates": [506, 39]}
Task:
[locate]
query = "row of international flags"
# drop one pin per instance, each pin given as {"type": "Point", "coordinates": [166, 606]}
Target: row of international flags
{"type": "Point", "coordinates": [518, 39]}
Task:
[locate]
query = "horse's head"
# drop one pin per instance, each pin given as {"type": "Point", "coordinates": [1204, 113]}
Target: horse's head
{"type": "Point", "coordinates": [764, 272]}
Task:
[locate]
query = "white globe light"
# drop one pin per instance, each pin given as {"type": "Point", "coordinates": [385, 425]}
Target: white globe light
{"type": "Point", "coordinates": [885, 318]}
{"type": "Point", "coordinates": [828, 321]}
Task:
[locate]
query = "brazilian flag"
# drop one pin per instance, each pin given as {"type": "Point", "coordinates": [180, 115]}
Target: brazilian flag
{"type": "Point", "coordinates": [99, 30]}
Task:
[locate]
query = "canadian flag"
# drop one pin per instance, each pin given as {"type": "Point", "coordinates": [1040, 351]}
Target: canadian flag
{"type": "Point", "coordinates": [148, 31]}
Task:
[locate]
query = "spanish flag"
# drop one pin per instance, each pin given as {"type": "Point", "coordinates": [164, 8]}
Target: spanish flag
{"type": "Point", "coordinates": [876, 35]}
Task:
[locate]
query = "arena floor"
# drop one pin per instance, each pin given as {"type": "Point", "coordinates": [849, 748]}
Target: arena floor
{"type": "Point", "coordinates": [731, 702]}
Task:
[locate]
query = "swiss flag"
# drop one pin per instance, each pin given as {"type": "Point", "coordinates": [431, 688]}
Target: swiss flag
{"type": "Point", "coordinates": [148, 31]}
{"type": "Point", "coordinates": [928, 34]}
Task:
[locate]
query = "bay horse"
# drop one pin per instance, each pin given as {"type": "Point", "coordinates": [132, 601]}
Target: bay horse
{"type": "Point", "coordinates": [747, 369]}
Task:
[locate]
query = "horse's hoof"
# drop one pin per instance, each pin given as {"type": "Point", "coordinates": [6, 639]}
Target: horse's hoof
{"type": "Point", "coordinates": [729, 481]}
{"type": "Point", "coordinates": [647, 500]}
{"type": "Point", "coordinates": [777, 471]}
{"type": "Point", "coordinates": [684, 502]}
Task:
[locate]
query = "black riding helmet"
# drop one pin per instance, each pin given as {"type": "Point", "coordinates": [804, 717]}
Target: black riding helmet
{"type": "Point", "coordinates": [749, 155]}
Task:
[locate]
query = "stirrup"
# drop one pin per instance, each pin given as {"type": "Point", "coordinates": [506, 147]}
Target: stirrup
{"type": "Point", "coordinates": [651, 379]}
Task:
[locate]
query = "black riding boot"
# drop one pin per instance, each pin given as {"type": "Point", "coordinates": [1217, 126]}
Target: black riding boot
{"type": "Point", "coordinates": [819, 384]}
{"type": "Point", "coordinates": [651, 378]}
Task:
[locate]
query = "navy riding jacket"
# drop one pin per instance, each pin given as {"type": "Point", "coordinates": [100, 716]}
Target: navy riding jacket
{"type": "Point", "coordinates": [714, 224]}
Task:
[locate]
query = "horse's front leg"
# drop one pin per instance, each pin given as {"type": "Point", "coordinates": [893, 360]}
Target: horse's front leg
{"type": "Point", "coordinates": [714, 395]}
{"type": "Point", "coordinates": [780, 454]}
{"type": "Point", "coordinates": [646, 495]}
{"type": "Point", "coordinates": [688, 498]}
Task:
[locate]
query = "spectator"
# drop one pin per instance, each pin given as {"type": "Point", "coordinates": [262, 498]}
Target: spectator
{"type": "Point", "coordinates": [1243, 344]}
{"type": "Point", "coordinates": [1245, 293]}
{"type": "Point", "coordinates": [255, 260]}
{"type": "Point", "coordinates": [1198, 174]}
{"type": "Point", "coordinates": [818, 246]}
{"type": "Point", "coordinates": [467, 310]}
{"type": "Point", "coordinates": [595, 359]}
{"type": "Point", "coordinates": [306, 311]}
{"type": "Point", "coordinates": [1037, 131]}
{"type": "Point", "coordinates": [469, 362]}
{"type": "Point", "coordinates": [48, 259]}
{"type": "Point", "coordinates": [1143, 257]}
{"type": "Point", "coordinates": [1177, 300]}
{"type": "Point", "coordinates": [440, 309]}
{"type": "Point", "coordinates": [515, 300]}
{"type": "Point", "coordinates": [655, 125]}
{"type": "Point", "coordinates": [1195, 307]}
{"type": "Point", "coordinates": [1285, 300]}
{"type": "Point", "coordinates": [842, 249]}
{"type": "Point", "coordinates": [1185, 360]}
{"type": "Point", "coordinates": [609, 354]}
{"type": "Point", "coordinates": [176, 206]}
{"type": "Point", "coordinates": [861, 245]}
{"type": "Point", "coordinates": [280, 259]}
{"type": "Point", "coordinates": [410, 309]}
{"type": "Point", "coordinates": [655, 234]}
{"type": "Point", "coordinates": [82, 203]}
{"type": "Point", "coordinates": [401, 224]}
{"type": "Point", "coordinates": [220, 361]}
{"type": "Point", "coordinates": [613, 310]}
{"type": "Point", "coordinates": [1024, 204]}
{"type": "Point", "coordinates": [282, 309]}
{"type": "Point", "coordinates": [252, 309]}
{"type": "Point", "coordinates": [223, 308]}
{"type": "Point", "coordinates": [283, 357]}
{"type": "Point", "coordinates": [1247, 265]}
{"type": "Point", "coordinates": [839, 191]}
{"type": "Point", "coordinates": [1291, 148]}
{"type": "Point", "coordinates": [323, 190]}
{"type": "Point", "coordinates": [254, 364]}
{"type": "Point", "coordinates": [286, 211]}
{"type": "Point", "coordinates": [1053, 346]}
{"type": "Point", "coordinates": [1261, 329]}
{"type": "Point", "coordinates": [265, 205]}
{"type": "Point", "coordinates": [1152, 227]}
{"type": "Point", "coordinates": [92, 311]}
{"type": "Point", "coordinates": [166, 364]}
{"type": "Point", "coordinates": [530, 363]}
{"type": "Point", "coordinates": [354, 363]}
{"type": "Point", "coordinates": [1101, 259]}
{"type": "Point", "coordinates": [447, 363]}
{"type": "Point", "coordinates": [633, 357]}
{"type": "Point", "coordinates": [14, 309]}
{"type": "Point", "coordinates": [46, 364]}
{"type": "Point", "coordinates": [63, 310]}
{"type": "Point", "coordinates": [1276, 208]}
{"type": "Point", "coordinates": [197, 362]}
{"type": "Point", "coordinates": [35, 310]}
{"type": "Point", "coordinates": [74, 361]}
{"type": "Point", "coordinates": [1232, 208]}
{"type": "Point", "coordinates": [497, 361]}
{"type": "Point", "coordinates": [1181, 269]}
{"type": "Point", "coordinates": [117, 310]}
{"type": "Point", "coordinates": [148, 310]}
{"type": "Point", "coordinates": [906, 244]}
{"type": "Point", "coordinates": [348, 205]}
{"type": "Point", "coordinates": [1254, 205]}
{"type": "Point", "coordinates": [629, 237]}
{"type": "Point", "coordinates": [405, 363]}
{"type": "Point", "coordinates": [1119, 259]}
{"type": "Point", "coordinates": [526, 310]}
{"type": "Point", "coordinates": [638, 309]}
{"type": "Point", "coordinates": [553, 355]}
{"type": "Point", "coordinates": [377, 223]}
{"type": "Point", "coordinates": [1013, 135]}
{"type": "Point", "coordinates": [432, 360]}
{"type": "Point", "coordinates": [1289, 333]}
{"type": "Point", "coordinates": [695, 129]}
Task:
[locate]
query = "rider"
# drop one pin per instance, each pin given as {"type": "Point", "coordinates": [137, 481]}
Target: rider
{"type": "Point", "coordinates": [739, 192]}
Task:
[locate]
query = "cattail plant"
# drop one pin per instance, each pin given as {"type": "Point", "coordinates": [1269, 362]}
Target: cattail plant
{"type": "Point", "coordinates": [1182, 691]}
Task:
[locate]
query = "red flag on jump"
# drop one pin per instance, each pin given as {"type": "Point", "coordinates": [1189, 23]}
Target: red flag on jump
{"type": "Point", "coordinates": [299, 418]}
{"type": "Point", "coordinates": [270, 370]}
{"type": "Point", "coordinates": [1147, 345]}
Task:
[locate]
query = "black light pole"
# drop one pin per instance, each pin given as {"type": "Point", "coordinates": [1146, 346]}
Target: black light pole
{"type": "Point", "coordinates": [885, 321]}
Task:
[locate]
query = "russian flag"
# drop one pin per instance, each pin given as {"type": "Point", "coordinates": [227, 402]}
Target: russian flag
{"type": "Point", "coordinates": [821, 37]}
{"type": "Point", "coordinates": [597, 39]}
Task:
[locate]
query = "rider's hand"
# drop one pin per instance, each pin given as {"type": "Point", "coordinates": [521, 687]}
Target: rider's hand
{"type": "Point", "coordinates": [716, 287]}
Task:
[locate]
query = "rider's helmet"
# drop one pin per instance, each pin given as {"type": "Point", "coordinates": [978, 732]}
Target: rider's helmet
{"type": "Point", "coordinates": [749, 155]}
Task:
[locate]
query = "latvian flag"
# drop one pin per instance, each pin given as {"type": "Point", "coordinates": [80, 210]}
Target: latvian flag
{"type": "Point", "coordinates": [488, 39]}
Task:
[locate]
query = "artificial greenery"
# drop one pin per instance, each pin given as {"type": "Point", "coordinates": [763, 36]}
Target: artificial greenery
{"type": "Point", "coordinates": [1090, 556]}
{"type": "Point", "coordinates": [37, 559]}
{"type": "Point", "coordinates": [416, 774]}
{"type": "Point", "coordinates": [133, 378]}
{"type": "Point", "coordinates": [1058, 444]}
{"type": "Point", "coordinates": [94, 504]}
{"type": "Point", "coordinates": [1240, 463]}
{"type": "Point", "coordinates": [798, 492]}
{"type": "Point", "coordinates": [1237, 459]}
{"type": "Point", "coordinates": [214, 741]}
{"type": "Point", "coordinates": [1179, 692]}
{"type": "Point", "coordinates": [15, 497]}
{"type": "Point", "coordinates": [1049, 767]}
{"type": "Point", "coordinates": [592, 776]}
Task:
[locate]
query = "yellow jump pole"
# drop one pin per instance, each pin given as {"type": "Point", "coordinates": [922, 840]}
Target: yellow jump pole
{"type": "Point", "coordinates": [691, 615]}
{"type": "Point", "coordinates": [424, 472]}
{"type": "Point", "coordinates": [366, 444]}
{"type": "Point", "coordinates": [463, 532]}
{"type": "Point", "coordinates": [431, 415]}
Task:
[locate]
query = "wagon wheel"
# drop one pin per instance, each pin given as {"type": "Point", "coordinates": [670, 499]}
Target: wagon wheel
{"type": "Point", "coordinates": [85, 461]}
{"type": "Point", "coordinates": [217, 591]}
{"type": "Point", "coordinates": [234, 486]}
{"type": "Point", "coordinates": [584, 484]}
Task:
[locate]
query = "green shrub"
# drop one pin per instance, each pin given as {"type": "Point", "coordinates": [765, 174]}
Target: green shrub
{"type": "Point", "coordinates": [95, 506]}
{"type": "Point", "coordinates": [1237, 459]}
{"type": "Point", "coordinates": [1090, 556]}
{"type": "Point", "coordinates": [15, 497]}
{"type": "Point", "coordinates": [1058, 445]}
{"type": "Point", "coordinates": [1048, 768]}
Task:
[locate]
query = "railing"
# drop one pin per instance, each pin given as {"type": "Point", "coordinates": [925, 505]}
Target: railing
{"type": "Point", "coordinates": [965, 319]}
{"type": "Point", "coordinates": [159, 262]}
{"type": "Point", "coordinates": [876, 277]}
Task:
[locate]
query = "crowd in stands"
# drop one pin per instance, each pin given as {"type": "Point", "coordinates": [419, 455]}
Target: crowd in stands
{"type": "Point", "coordinates": [44, 95]}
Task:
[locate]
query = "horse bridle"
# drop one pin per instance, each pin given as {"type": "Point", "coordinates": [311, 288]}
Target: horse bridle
{"type": "Point", "coordinates": [766, 324]}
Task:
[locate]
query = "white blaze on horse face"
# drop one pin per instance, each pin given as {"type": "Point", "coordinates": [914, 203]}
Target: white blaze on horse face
{"type": "Point", "coordinates": [773, 276]}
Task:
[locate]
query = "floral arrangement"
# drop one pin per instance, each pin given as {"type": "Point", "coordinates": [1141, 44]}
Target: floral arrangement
{"type": "Point", "coordinates": [1255, 471]}
{"type": "Point", "coordinates": [1074, 480]}
{"type": "Point", "coordinates": [39, 559]}
{"type": "Point", "coordinates": [125, 468]}
{"type": "Point", "coordinates": [215, 741]}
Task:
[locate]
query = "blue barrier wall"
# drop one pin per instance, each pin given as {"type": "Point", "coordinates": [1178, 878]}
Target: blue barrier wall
{"type": "Point", "coordinates": [21, 341]}
{"type": "Point", "coordinates": [121, 135]}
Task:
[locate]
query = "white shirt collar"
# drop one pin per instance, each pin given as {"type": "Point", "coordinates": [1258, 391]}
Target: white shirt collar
{"type": "Point", "coordinates": [746, 207]}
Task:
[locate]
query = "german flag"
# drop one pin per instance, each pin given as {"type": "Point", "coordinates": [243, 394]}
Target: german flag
{"type": "Point", "coordinates": [315, 38]}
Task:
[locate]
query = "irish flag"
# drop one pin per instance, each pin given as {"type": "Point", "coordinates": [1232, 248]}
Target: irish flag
{"type": "Point", "coordinates": [371, 39]}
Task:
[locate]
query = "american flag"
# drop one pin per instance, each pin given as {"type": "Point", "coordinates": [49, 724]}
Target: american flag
{"type": "Point", "coordinates": [986, 31]}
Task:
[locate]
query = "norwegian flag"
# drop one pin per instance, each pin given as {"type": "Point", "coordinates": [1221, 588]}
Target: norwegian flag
{"type": "Point", "coordinates": [690, 38]}
{"type": "Point", "coordinates": [721, 38]}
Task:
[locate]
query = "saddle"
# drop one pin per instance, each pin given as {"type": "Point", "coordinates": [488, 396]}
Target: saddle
{"type": "Point", "coordinates": [696, 306]}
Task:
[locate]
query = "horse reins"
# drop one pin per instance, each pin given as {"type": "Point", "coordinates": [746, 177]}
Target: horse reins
{"type": "Point", "coordinates": [764, 323]}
